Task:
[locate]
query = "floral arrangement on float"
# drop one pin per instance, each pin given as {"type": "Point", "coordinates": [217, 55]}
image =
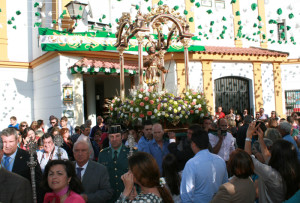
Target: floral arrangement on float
{"type": "Point", "coordinates": [159, 106]}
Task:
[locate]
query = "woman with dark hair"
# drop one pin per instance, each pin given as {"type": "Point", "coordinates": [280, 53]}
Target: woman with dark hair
{"type": "Point", "coordinates": [171, 176]}
{"type": "Point", "coordinates": [22, 126]}
{"type": "Point", "coordinates": [279, 177]}
{"type": "Point", "coordinates": [61, 183]}
{"type": "Point", "coordinates": [240, 187]}
{"type": "Point", "coordinates": [144, 171]}
{"type": "Point", "coordinates": [28, 134]}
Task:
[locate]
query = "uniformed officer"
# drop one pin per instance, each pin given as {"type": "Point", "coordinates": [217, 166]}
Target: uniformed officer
{"type": "Point", "coordinates": [115, 158]}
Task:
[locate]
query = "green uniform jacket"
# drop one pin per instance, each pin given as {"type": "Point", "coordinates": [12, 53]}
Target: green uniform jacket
{"type": "Point", "coordinates": [115, 168]}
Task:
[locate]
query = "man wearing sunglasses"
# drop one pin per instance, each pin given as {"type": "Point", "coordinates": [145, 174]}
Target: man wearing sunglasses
{"type": "Point", "coordinates": [53, 123]}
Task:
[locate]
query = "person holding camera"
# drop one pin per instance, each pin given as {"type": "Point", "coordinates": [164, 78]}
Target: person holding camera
{"type": "Point", "coordinates": [222, 142]}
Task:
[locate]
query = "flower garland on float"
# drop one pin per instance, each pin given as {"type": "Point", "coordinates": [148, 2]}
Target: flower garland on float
{"type": "Point", "coordinates": [159, 106]}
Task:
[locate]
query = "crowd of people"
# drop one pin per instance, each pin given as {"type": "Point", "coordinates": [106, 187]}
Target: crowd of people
{"type": "Point", "coordinates": [223, 158]}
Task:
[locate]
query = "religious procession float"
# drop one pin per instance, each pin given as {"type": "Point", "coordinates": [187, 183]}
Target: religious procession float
{"type": "Point", "coordinates": [155, 32]}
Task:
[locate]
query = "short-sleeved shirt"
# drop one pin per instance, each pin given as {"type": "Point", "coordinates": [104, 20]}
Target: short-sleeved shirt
{"type": "Point", "coordinates": [227, 146]}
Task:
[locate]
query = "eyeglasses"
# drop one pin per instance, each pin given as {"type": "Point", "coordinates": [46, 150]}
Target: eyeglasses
{"type": "Point", "coordinates": [52, 122]}
{"type": "Point", "coordinates": [24, 125]}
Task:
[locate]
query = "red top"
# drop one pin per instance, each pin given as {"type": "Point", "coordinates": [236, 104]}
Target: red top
{"type": "Point", "coordinates": [221, 115]}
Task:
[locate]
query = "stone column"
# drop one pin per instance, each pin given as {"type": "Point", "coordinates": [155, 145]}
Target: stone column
{"type": "Point", "coordinates": [78, 99]}
{"type": "Point", "coordinates": [208, 85]}
{"type": "Point", "coordinates": [91, 99]}
{"type": "Point", "coordinates": [278, 89]}
{"type": "Point", "coordinates": [3, 32]}
{"type": "Point", "coordinates": [258, 93]}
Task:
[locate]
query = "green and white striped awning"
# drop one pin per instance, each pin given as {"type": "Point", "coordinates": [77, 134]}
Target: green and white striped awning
{"type": "Point", "coordinates": [53, 40]}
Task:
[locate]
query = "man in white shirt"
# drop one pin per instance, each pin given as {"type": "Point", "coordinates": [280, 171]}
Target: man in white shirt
{"type": "Point", "coordinates": [50, 151]}
{"type": "Point", "coordinates": [223, 143]}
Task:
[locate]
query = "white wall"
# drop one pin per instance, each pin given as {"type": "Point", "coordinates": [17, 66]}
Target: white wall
{"type": "Point", "coordinates": [203, 18]}
{"type": "Point", "coordinates": [267, 79]}
{"type": "Point", "coordinates": [18, 39]}
{"type": "Point", "coordinates": [47, 90]}
{"type": "Point", "coordinates": [244, 70]}
{"type": "Point", "coordinates": [248, 18]}
{"type": "Point", "coordinates": [287, 6]}
{"type": "Point", "coordinates": [195, 75]}
{"type": "Point", "coordinates": [16, 97]}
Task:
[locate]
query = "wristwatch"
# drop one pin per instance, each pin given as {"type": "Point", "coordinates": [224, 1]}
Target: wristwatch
{"type": "Point", "coordinates": [248, 139]}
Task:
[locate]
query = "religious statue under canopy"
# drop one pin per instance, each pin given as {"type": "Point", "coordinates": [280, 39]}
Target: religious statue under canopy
{"type": "Point", "coordinates": [153, 65]}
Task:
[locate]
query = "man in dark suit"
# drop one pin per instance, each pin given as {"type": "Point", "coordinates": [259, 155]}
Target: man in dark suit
{"type": "Point", "coordinates": [94, 176]}
{"type": "Point", "coordinates": [115, 158]}
{"type": "Point", "coordinates": [14, 188]}
{"type": "Point", "coordinates": [15, 159]}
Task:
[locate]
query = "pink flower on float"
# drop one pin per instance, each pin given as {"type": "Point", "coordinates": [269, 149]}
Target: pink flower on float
{"type": "Point", "coordinates": [113, 101]}
{"type": "Point", "coordinates": [111, 108]}
{"type": "Point", "coordinates": [141, 89]}
{"type": "Point", "coordinates": [200, 109]}
{"type": "Point", "coordinates": [142, 104]}
{"type": "Point", "coordinates": [131, 102]}
{"type": "Point", "coordinates": [142, 115]}
{"type": "Point", "coordinates": [194, 93]}
{"type": "Point", "coordinates": [149, 113]}
{"type": "Point", "coordinates": [151, 102]}
{"type": "Point", "coordinates": [185, 102]}
{"type": "Point", "coordinates": [192, 111]}
{"type": "Point", "coordinates": [193, 103]}
{"type": "Point", "coordinates": [158, 106]}
{"type": "Point", "coordinates": [146, 98]}
{"type": "Point", "coordinates": [133, 115]}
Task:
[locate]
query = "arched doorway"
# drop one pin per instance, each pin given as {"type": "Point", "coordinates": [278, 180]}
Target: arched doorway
{"type": "Point", "coordinates": [232, 92]}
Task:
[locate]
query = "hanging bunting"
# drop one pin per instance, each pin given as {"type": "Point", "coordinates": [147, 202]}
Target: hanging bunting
{"type": "Point", "coordinates": [191, 19]}
{"type": "Point", "coordinates": [233, 1]}
{"type": "Point", "coordinates": [253, 6]}
{"type": "Point", "coordinates": [103, 16]}
{"type": "Point", "coordinates": [259, 18]}
{"type": "Point", "coordinates": [223, 19]}
{"type": "Point", "coordinates": [13, 18]}
{"type": "Point", "coordinates": [254, 25]}
{"type": "Point", "coordinates": [185, 12]}
{"type": "Point", "coordinates": [209, 11]}
{"type": "Point", "coordinates": [212, 23]}
{"type": "Point", "coordinates": [197, 4]}
{"type": "Point", "coordinates": [176, 8]}
{"type": "Point", "coordinates": [36, 4]}
{"type": "Point", "coordinates": [149, 8]}
{"type": "Point", "coordinates": [291, 15]}
{"type": "Point", "coordinates": [279, 11]}
{"type": "Point", "coordinates": [288, 28]}
{"type": "Point", "coordinates": [192, 1]}
{"type": "Point", "coordinates": [237, 13]}
{"type": "Point", "coordinates": [18, 12]}
{"type": "Point", "coordinates": [160, 3]}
